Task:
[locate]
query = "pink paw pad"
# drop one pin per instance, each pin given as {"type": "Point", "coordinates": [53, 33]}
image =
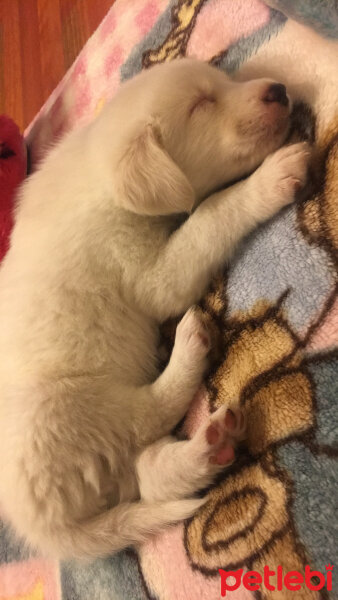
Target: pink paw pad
{"type": "Point", "coordinates": [222, 433]}
{"type": "Point", "coordinates": [212, 435]}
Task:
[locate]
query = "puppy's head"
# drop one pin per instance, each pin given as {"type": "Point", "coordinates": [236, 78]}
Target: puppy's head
{"type": "Point", "coordinates": [183, 129]}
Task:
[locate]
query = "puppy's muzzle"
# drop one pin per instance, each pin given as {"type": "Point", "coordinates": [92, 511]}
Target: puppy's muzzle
{"type": "Point", "coordinates": [276, 93]}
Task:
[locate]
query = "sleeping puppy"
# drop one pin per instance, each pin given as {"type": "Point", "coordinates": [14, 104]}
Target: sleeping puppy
{"type": "Point", "coordinates": [100, 255]}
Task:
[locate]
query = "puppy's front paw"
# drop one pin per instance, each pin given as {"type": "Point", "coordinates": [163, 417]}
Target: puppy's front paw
{"type": "Point", "coordinates": [279, 178]}
{"type": "Point", "coordinates": [192, 335]}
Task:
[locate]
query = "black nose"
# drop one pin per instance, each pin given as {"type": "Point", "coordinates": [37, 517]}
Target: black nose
{"type": "Point", "coordinates": [276, 93]}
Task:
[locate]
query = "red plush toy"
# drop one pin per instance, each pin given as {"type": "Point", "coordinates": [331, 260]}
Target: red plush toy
{"type": "Point", "coordinates": [13, 168]}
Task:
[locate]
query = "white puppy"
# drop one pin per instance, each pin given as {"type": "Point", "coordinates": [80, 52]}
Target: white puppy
{"type": "Point", "coordinates": [98, 259]}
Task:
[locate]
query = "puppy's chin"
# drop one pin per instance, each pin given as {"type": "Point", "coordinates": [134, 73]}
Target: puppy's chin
{"type": "Point", "coordinates": [263, 141]}
{"type": "Point", "coordinates": [269, 127]}
{"type": "Point", "coordinates": [277, 117]}
{"type": "Point", "coordinates": [274, 134]}
{"type": "Point", "coordinates": [281, 132]}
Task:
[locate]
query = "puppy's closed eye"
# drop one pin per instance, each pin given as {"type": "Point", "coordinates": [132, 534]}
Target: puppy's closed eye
{"type": "Point", "coordinates": [201, 102]}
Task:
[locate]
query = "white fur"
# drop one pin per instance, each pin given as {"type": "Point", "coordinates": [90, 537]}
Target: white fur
{"type": "Point", "coordinates": [99, 256]}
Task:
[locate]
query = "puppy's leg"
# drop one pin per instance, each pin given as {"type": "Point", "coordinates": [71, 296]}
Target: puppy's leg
{"type": "Point", "coordinates": [169, 470]}
{"type": "Point", "coordinates": [158, 407]}
{"type": "Point", "coordinates": [203, 244]}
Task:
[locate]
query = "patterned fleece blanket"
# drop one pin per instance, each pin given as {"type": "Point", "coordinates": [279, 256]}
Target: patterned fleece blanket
{"type": "Point", "coordinates": [275, 311]}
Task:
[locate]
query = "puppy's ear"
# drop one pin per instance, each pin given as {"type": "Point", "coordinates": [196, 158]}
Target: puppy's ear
{"type": "Point", "coordinates": [148, 180]}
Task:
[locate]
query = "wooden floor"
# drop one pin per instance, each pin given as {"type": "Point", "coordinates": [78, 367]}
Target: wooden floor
{"type": "Point", "coordinates": [39, 40]}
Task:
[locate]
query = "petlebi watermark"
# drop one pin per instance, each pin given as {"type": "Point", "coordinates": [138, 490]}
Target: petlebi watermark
{"type": "Point", "coordinates": [290, 580]}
